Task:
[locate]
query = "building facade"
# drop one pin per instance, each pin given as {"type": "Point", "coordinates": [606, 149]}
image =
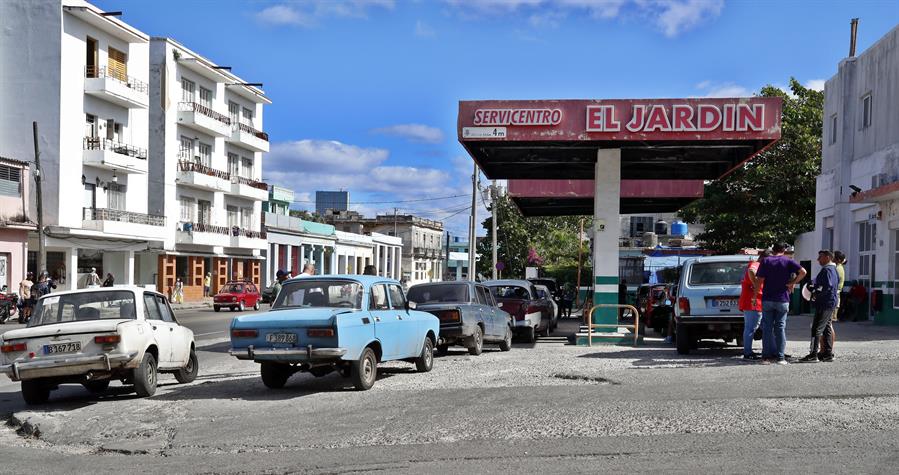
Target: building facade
{"type": "Point", "coordinates": [16, 220]}
{"type": "Point", "coordinates": [423, 256]}
{"type": "Point", "coordinates": [205, 146]}
{"type": "Point", "coordinates": [457, 265]}
{"type": "Point", "coordinates": [86, 84]}
{"type": "Point", "coordinates": [857, 196]}
{"type": "Point", "coordinates": [331, 200]}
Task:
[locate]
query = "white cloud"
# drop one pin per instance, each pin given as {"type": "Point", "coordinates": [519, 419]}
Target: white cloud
{"type": "Point", "coordinates": [711, 89]}
{"type": "Point", "coordinates": [413, 132]}
{"type": "Point", "coordinates": [284, 15]}
{"type": "Point", "coordinates": [326, 154]}
{"type": "Point", "coordinates": [307, 14]}
{"type": "Point", "coordinates": [677, 16]}
{"type": "Point", "coordinates": [816, 84]}
{"type": "Point", "coordinates": [424, 30]}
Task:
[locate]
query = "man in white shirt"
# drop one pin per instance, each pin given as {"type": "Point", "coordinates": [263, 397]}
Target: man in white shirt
{"type": "Point", "coordinates": [308, 270]}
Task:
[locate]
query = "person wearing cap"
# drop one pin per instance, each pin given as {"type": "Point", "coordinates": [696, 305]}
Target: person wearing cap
{"type": "Point", "coordinates": [776, 275]}
{"type": "Point", "coordinates": [824, 293]}
{"type": "Point", "coordinates": [280, 276]}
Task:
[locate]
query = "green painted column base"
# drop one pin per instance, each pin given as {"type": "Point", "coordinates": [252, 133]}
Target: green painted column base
{"type": "Point", "coordinates": [605, 316]}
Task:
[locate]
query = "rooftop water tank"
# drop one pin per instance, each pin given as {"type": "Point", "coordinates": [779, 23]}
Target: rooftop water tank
{"type": "Point", "coordinates": [679, 228]}
{"type": "Point", "coordinates": [661, 228]}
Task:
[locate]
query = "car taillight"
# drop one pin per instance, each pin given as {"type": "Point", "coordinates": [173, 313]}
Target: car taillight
{"type": "Point", "coordinates": [244, 333]}
{"type": "Point", "coordinates": [320, 332]}
{"type": "Point", "coordinates": [449, 316]}
{"type": "Point", "coordinates": [107, 339]}
{"type": "Point", "coordinates": [684, 304]}
{"type": "Point", "coordinates": [13, 347]}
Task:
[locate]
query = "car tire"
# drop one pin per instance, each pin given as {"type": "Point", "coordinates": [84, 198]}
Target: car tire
{"type": "Point", "coordinates": [365, 370]}
{"type": "Point", "coordinates": [145, 376]}
{"type": "Point", "coordinates": [240, 306]}
{"type": "Point", "coordinates": [477, 342]}
{"type": "Point", "coordinates": [217, 308]}
{"type": "Point", "coordinates": [188, 373]}
{"type": "Point", "coordinates": [506, 343]}
{"type": "Point", "coordinates": [442, 350]}
{"type": "Point", "coordinates": [530, 335]}
{"type": "Point", "coordinates": [256, 305]}
{"type": "Point", "coordinates": [96, 386]}
{"type": "Point", "coordinates": [683, 339]}
{"type": "Point", "coordinates": [425, 361]}
{"type": "Point", "coordinates": [35, 391]}
{"type": "Point", "coordinates": [274, 375]}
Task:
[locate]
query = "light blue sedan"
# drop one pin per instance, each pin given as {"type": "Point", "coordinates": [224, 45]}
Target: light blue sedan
{"type": "Point", "coordinates": [345, 323]}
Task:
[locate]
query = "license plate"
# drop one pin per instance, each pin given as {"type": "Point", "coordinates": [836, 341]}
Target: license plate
{"type": "Point", "coordinates": [281, 338]}
{"type": "Point", "coordinates": [56, 348]}
{"type": "Point", "coordinates": [724, 303]}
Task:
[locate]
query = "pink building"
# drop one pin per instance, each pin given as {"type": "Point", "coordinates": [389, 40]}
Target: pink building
{"type": "Point", "coordinates": [15, 221]}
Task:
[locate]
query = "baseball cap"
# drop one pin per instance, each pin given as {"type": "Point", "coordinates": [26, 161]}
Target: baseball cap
{"type": "Point", "coordinates": [280, 273]}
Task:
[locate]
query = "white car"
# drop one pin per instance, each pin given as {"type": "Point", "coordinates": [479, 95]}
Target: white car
{"type": "Point", "coordinates": [93, 336]}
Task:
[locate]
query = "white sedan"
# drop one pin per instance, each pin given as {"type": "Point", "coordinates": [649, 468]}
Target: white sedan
{"type": "Point", "coordinates": [93, 336]}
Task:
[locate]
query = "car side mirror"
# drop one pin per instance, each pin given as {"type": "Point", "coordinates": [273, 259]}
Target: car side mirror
{"type": "Point", "coordinates": [410, 305]}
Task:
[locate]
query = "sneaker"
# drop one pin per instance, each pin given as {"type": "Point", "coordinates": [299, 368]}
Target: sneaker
{"type": "Point", "coordinates": [766, 361]}
{"type": "Point", "coordinates": [782, 362]}
{"type": "Point", "coordinates": [810, 358]}
{"type": "Point", "coordinates": [826, 358]}
{"type": "Point", "coordinates": [669, 340]}
{"type": "Point", "coordinates": [752, 357]}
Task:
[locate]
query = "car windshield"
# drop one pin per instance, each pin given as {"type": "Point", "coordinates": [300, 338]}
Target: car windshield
{"type": "Point", "coordinates": [449, 293]}
{"type": "Point", "coordinates": [232, 289]}
{"type": "Point", "coordinates": [112, 304]}
{"type": "Point", "coordinates": [314, 293]}
{"type": "Point", "coordinates": [717, 273]}
{"type": "Point", "coordinates": [510, 292]}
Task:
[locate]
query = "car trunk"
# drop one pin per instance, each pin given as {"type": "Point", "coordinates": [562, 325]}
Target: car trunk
{"type": "Point", "coordinates": [61, 338]}
{"type": "Point", "coordinates": [449, 314]}
{"type": "Point", "coordinates": [515, 307]}
{"type": "Point", "coordinates": [288, 327]}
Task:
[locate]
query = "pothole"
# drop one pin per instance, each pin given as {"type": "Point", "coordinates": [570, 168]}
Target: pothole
{"type": "Point", "coordinates": [583, 378]}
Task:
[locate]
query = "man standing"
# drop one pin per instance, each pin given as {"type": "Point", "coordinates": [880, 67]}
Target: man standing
{"type": "Point", "coordinates": [25, 294]}
{"type": "Point", "coordinates": [773, 282]}
{"type": "Point", "coordinates": [280, 277]}
{"type": "Point", "coordinates": [825, 295]}
{"type": "Point", "coordinates": [308, 270]}
{"type": "Point", "coordinates": [751, 306]}
{"type": "Point", "coordinates": [207, 284]}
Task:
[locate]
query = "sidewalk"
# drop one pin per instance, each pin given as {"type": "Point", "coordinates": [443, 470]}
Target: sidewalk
{"type": "Point", "coordinates": [205, 303]}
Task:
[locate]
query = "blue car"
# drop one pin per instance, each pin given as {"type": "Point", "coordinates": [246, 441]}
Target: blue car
{"type": "Point", "coordinates": [345, 323]}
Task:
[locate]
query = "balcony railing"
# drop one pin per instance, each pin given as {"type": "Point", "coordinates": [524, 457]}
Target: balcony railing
{"type": "Point", "coordinates": [106, 214]}
{"type": "Point", "coordinates": [208, 112]}
{"type": "Point", "coordinates": [96, 143]}
{"type": "Point", "coordinates": [250, 130]}
{"type": "Point", "coordinates": [224, 230]}
{"type": "Point", "coordinates": [188, 166]}
{"type": "Point", "coordinates": [103, 72]}
{"type": "Point", "coordinates": [250, 182]}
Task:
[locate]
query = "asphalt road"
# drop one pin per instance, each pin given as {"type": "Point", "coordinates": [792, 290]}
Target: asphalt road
{"type": "Point", "coordinates": [547, 407]}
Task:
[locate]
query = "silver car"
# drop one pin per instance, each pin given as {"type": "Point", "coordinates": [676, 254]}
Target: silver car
{"type": "Point", "coordinates": [708, 298]}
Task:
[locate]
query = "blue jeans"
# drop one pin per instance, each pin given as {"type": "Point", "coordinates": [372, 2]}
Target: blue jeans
{"type": "Point", "coordinates": [774, 328]}
{"type": "Point", "coordinates": [751, 320]}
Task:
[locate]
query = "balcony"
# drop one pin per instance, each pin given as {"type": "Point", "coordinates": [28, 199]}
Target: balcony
{"type": "Point", "coordinates": [204, 119]}
{"type": "Point", "coordinates": [249, 137]}
{"type": "Point", "coordinates": [248, 239]}
{"type": "Point", "coordinates": [426, 253]}
{"type": "Point", "coordinates": [220, 236]}
{"type": "Point", "coordinates": [111, 155]}
{"type": "Point", "coordinates": [247, 188]}
{"type": "Point", "coordinates": [115, 87]}
{"type": "Point", "coordinates": [197, 175]}
{"type": "Point", "coordinates": [126, 223]}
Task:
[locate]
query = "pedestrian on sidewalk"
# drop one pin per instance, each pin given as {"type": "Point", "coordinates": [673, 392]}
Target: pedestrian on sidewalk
{"type": "Point", "coordinates": [27, 299]}
{"type": "Point", "coordinates": [179, 291]}
{"type": "Point", "coordinates": [751, 306]}
{"type": "Point", "coordinates": [840, 260]}
{"type": "Point", "coordinates": [774, 280]}
{"type": "Point", "coordinates": [92, 279]}
{"type": "Point", "coordinates": [110, 280]}
{"type": "Point", "coordinates": [824, 293]}
{"type": "Point", "coordinates": [207, 284]}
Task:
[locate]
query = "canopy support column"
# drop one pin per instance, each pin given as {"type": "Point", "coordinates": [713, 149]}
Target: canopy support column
{"type": "Point", "coordinates": [605, 235]}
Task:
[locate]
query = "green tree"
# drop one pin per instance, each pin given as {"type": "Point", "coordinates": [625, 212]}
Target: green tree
{"type": "Point", "coordinates": [772, 198]}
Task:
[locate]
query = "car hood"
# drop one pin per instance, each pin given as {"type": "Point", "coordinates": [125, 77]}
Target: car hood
{"type": "Point", "coordinates": [65, 328]}
{"type": "Point", "coordinates": [290, 317]}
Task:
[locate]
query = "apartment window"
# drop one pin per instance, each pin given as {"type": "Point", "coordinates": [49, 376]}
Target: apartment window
{"type": "Point", "coordinates": [246, 218]}
{"type": "Point", "coordinates": [866, 239]}
{"type": "Point", "coordinates": [246, 167]}
{"type": "Point", "coordinates": [233, 164]}
{"type": "Point", "coordinates": [204, 212]}
{"type": "Point", "coordinates": [233, 218]}
{"type": "Point", "coordinates": [187, 209]}
{"type": "Point", "coordinates": [113, 130]}
{"type": "Point", "coordinates": [247, 116]}
{"type": "Point", "coordinates": [827, 238]}
{"type": "Point", "coordinates": [187, 90]}
{"type": "Point", "coordinates": [10, 180]}
{"type": "Point", "coordinates": [118, 65]}
{"type": "Point", "coordinates": [93, 57]}
{"type": "Point", "coordinates": [205, 97]}
{"type": "Point", "coordinates": [867, 111]}
{"type": "Point", "coordinates": [186, 149]}
{"type": "Point", "coordinates": [115, 196]}
{"type": "Point", "coordinates": [205, 154]}
{"type": "Point", "coordinates": [234, 111]}
{"type": "Point", "coordinates": [90, 126]}
{"type": "Point", "coordinates": [833, 129]}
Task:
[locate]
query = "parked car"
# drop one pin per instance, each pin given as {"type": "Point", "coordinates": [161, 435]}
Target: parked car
{"type": "Point", "coordinates": [336, 323]}
{"type": "Point", "coordinates": [531, 314]}
{"type": "Point", "coordinates": [94, 336]}
{"type": "Point", "coordinates": [707, 300]}
{"type": "Point", "coordinates": [555, 291]}
{"type": "Point", "coordinates": [543, 292]}
{"type": "Point", "coordinates": [238, 296]}
{"type": "Point", "coordinates": [468, 315]}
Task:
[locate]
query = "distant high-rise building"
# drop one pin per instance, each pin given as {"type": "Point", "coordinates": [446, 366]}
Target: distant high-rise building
{"type": "Point", "coordinates": [333, 200]}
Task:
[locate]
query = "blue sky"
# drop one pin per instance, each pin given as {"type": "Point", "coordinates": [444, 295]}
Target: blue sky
{"type": "Point", "coordinates": [365, 92]}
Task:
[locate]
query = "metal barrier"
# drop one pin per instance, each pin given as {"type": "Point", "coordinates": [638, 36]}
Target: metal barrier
{"type": "Point", "coordinates": [590, 325]}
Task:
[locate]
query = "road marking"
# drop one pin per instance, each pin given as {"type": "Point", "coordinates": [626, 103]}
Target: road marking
{"type": "Point", "coordinates": [210, 333]}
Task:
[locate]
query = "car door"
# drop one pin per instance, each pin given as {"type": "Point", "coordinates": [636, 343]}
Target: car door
{"type": "Point", "coordinates": [386, 323]}
{"type": "Point", "coordinates": [180, 336]}
{"type": "Point", "coordinates": [163, 331]}
{"type": "Point", "coordinates": [409, 329]}
{"type": "Point", "coordinates": [486, 310]}
{"type": "Point", "coordinates": [254, 295]}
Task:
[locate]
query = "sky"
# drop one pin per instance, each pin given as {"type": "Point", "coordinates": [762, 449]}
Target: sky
{"type": "Point", "coordinates": [365, 92]}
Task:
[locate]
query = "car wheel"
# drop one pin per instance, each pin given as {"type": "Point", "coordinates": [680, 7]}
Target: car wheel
{"type": "Point", "coordinates": [530, 335]}
{"type": "Point", "coordinates": [274, 375]}
{"type": "Point", "coordinates": [442, 350]}
{"type": "Point", "coordinates": [145, 376]}
{"type": "Point", "coordinates": [34, 392]}
{"type": "Point", "coordinates": [189, 372]}
{"type": "Point", "coordinates": [506, 344]}
{"type": "Point", "coordinates": [365, 370]}
{"type": "Point", "coordinates": [477, 342]}
{"type": "Point", "coordinates": [683, 339]}
{"type": "Point", "coordinates": [256, 305]}
{"type": "Point", "coordinates": [217, 308]}
{"type": "Point", "coordinates": [96, 386]}
{"type": "Point", "coordinates": [425, 360]}
{"type": "Point", "coordinates": [240, 306]}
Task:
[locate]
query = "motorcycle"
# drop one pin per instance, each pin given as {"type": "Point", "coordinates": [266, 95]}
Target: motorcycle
{"type": "Point", "coordinates": [8, 306]}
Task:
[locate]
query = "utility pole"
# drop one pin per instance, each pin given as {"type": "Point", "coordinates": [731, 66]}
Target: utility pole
{"type": "Point", "coordinates": [494, 211]}
{"type": "Point", "coordinates": [394, 222]}
{"type": "Point", "coordinates": [472, 223]}
{"type": "Point", "coordinates": [41, 255]}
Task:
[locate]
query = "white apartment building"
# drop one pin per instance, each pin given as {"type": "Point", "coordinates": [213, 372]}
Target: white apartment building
{"type": "Point", "coordinates": [857, 199]}
{"type": "Point", "coordinates": [206, 146]}
{"type": "Point", "coordinates": [83, 77]}
{"type": "Point", "coordinates": [422, 258]}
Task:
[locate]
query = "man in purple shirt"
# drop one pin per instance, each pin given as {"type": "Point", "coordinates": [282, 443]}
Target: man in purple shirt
{"type": "Point", "coordinates": [775, 276]}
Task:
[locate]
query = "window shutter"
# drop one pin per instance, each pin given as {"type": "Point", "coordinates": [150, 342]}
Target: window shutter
{"type": "Point", "coordinates": [118, 67]}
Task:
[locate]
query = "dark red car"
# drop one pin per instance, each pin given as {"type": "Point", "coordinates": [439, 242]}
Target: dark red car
{"type": "Point", "coordinates": [237, 296]}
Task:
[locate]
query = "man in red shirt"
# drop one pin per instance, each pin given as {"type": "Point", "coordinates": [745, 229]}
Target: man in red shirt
{"type": "Point", "coordinates": [751, 306]}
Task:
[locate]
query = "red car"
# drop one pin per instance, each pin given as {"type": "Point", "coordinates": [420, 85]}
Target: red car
{"type": "Point", "coordinates": [237, 295]}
